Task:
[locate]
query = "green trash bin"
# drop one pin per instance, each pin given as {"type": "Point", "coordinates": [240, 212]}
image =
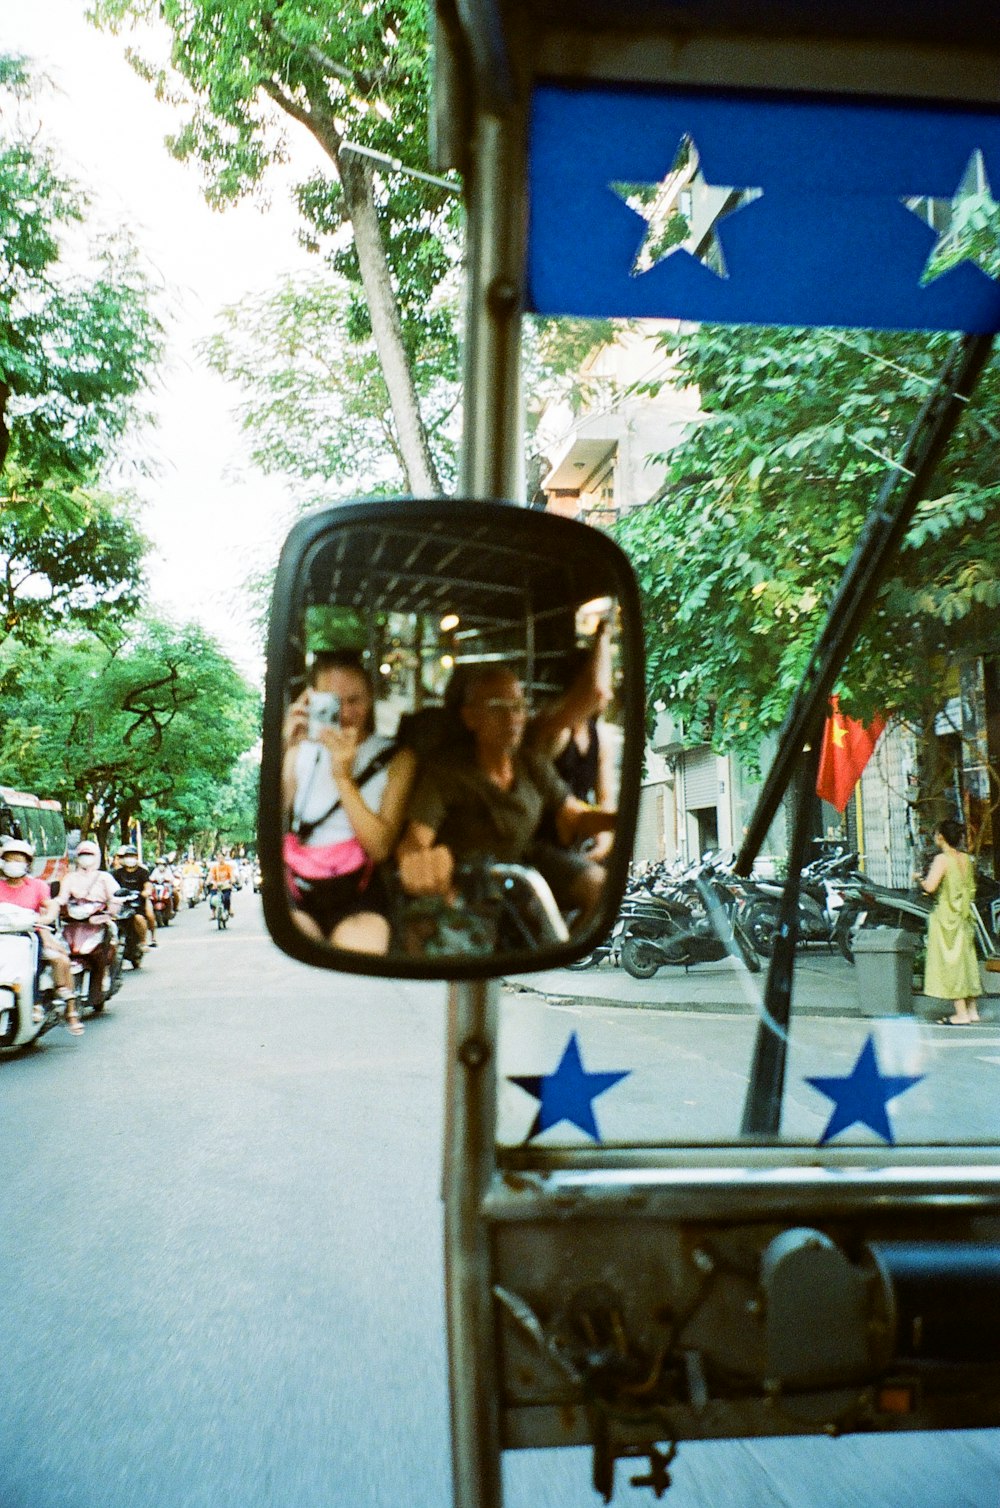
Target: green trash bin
{"type": "Point", "coordinates": [883, 966]}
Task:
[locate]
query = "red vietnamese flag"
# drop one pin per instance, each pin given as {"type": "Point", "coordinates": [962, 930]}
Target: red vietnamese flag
{"type": "Point", "coordinates": [847, 748]}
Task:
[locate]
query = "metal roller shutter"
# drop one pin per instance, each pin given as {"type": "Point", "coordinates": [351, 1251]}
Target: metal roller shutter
{"type": "Point", "coordinates": [701, 779]}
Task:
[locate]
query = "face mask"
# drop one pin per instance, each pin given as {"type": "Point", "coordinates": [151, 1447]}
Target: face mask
{"type": "Point", "coordinates": [87, 861]}
{"type": "Point", "coordinates": [131, 863]}
{"type": "Point", "coordinates": [14, 869]}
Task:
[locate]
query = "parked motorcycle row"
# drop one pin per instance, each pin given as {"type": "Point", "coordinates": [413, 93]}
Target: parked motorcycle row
{"type": "Point", "coordinates": [680, 914]}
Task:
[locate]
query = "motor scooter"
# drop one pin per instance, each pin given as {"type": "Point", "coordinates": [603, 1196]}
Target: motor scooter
{"type": "Point", "coordinates": [91, 935]}
{"type": "Point", "coordinates": [29, 1005]}
{"type": "Point", "coordinates": [163, 902]}
{"type": "Point", "coordinates": [704, 938]}
{"type": "Point", "coordinates": [22, 984]}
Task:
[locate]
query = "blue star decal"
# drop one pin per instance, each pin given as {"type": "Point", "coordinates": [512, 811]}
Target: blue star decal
{"type": "Point", "coordinates": [862, 1095]}
{"type": "Point", "coordinates": [568, 1093]}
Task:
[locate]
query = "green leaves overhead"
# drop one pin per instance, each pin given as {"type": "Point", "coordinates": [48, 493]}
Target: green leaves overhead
{"type": "Point", "coordinates": [739, 556]}
{"type": "Point", "coordinates": [242, 72]}
{"type": "Point", "coordinates": [78, 344]}
{"type": "Point", "coordinates": [76, 347]}
{"type": "Point", "coordinates": [314, 405]}
{"type": "Point", "coordinates": [138, 729]}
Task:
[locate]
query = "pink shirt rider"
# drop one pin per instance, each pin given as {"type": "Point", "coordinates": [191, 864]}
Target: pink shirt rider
{"type": "Point", "coordinates": [32, 894]}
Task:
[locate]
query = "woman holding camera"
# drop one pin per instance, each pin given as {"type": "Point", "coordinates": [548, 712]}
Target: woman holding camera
{"type": "Point", "coordinates": [345, 790]}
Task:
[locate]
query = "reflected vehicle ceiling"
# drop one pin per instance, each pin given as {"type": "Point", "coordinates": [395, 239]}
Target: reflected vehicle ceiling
{"type": "Point", "coordinates": [432, 566]}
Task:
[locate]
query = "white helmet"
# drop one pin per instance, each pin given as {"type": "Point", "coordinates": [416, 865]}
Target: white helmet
{"type": "Point", "coordinates": [88, 846]}
{"type": "Point", "coordinates": [10, 846]}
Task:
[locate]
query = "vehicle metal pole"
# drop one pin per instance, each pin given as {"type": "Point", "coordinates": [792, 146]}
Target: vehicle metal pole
{"type": "Point", "coordinates": [492, 462]}
{"type": "Point", "coordinates": [469, 1165]}
{"type": "Point", "coordinates": [492, 467]}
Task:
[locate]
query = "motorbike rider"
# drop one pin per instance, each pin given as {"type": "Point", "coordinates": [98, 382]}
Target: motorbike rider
{"type": "Point", "coordinates": [222, 877]}
{"type": "Point", "coordinates": [19, 888]}
{"type": "Point", "coordinates": [161, 874]}
{"type": "Point", "coordinates": [129, 874]}
{"type": "Point", "coordinates": [191, 881]}
{"type": "Point", "coordinates": [87, 881]}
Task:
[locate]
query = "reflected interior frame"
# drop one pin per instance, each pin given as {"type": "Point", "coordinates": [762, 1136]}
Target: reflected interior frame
{"type": "Point", "coordinates": [563, 548]}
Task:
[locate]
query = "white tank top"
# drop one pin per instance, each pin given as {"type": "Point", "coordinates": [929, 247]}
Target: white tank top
{"type": "Point", "coordinates": [316, 789]}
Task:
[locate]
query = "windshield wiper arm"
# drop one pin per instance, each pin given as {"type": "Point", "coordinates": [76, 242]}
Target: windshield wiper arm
{"type": "Point", "coordinates": [878, 544]}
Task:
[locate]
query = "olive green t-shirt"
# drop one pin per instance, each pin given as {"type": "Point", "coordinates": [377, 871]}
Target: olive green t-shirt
{"type": "Point", "coordinates": [473, 816]}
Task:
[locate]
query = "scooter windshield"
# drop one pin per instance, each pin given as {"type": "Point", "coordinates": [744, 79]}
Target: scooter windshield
{"type": "Point", "coordinates": [739, 468]}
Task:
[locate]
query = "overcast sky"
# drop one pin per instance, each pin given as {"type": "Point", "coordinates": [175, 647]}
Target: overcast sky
{"type": "Point", "coordinates": [212, 518]}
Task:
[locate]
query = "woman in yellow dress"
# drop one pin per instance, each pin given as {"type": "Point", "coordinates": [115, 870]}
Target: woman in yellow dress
{"type": "Point", "coordinates": [952, 969]}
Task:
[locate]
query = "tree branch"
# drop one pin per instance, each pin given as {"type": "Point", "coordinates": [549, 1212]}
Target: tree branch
{"type": "Point", "coordinates": [358, 81]}
{"type": "Point", "coordinates": [320, 127]}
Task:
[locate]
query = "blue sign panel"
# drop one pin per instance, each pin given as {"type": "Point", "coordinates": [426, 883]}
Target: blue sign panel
{"type": "Point", "coordinates": [756, 209]}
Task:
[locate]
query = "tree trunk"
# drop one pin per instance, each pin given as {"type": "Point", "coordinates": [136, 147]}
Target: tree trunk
{"type": "Point", "coordinates": [421, 473]}
{"type": "Point", "coordinates": [4, 431]}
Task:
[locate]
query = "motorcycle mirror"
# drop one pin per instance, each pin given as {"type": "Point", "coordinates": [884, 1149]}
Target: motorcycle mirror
{"type": "Point", "coordinates": [427, 662]}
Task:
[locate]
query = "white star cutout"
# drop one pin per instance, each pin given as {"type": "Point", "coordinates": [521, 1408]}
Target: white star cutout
{"type": "Point", "coordinates": [682, 212]}
{"type": "Point", "coordinates": [966, 224]}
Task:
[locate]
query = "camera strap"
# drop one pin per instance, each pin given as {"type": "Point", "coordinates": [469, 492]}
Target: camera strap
{"type": "Point", "coordinates": [305, 830]}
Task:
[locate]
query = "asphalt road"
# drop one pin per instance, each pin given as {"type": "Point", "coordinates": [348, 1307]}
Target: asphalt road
{"type": "Point", "coordinates": [221, 1266]}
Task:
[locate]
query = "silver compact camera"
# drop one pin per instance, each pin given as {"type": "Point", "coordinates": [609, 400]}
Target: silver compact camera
{"type": "Point", "coordinates": [324, 712]}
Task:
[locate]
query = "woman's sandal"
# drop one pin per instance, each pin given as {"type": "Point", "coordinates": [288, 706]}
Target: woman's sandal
{"type": "Point", "coordinates": [950, 1021]}
{"type": "Point", "coordinates": [73, 1024]}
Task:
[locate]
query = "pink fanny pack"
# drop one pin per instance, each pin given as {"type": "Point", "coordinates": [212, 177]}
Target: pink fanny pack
{"type": "Point", "coordinates": [328, 861]}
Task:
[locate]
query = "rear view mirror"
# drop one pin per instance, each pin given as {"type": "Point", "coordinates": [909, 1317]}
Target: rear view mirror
{"type": "Point", "coordinates": [431, 666]}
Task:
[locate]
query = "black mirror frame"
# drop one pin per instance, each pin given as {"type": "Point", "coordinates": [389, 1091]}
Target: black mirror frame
{"type": "Point", "coordinates": [299, 546]}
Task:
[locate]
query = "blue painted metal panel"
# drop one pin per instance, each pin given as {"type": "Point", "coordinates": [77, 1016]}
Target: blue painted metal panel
{"type": "Point", "coordinates": [829, 242]}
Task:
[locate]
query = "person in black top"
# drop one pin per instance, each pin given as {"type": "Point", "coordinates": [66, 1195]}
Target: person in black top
{"type": "Point", "coordinates": [572, 734]}
{"type": "Point", "coordinates": [131, 875]}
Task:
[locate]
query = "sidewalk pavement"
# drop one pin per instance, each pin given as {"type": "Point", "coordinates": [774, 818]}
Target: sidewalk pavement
{"type": "Point", "coordinates": [824, 985]}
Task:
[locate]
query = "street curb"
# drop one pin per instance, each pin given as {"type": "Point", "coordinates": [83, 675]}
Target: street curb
{"type": "Point", "coordinates": [925, 1012]}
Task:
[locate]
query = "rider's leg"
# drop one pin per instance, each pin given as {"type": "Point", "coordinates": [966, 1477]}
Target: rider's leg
{"type": "Point", "coordinates": [150, 922]}
{"type": "Point", "coordinates": [62, 973]}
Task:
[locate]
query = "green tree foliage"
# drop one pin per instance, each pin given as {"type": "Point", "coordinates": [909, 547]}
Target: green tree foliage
{"type": "Point", "coordinates": [85, 571]}
{"type": "Point", "coordinates": [144, 730]}
{"type": "Point", "coordinates": [740, 555]}
{"type": "Point", "coordinates": [315, 406]}
{"type": "Point", "coordinates": [76, 350]}
{"type": "Point", "coordinates": [241, 70]}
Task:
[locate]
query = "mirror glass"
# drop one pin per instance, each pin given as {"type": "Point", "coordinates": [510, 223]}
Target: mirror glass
{"type": "Point", "coordinates": [452, 735]}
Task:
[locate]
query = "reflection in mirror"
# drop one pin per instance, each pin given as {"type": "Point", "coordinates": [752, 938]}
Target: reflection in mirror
{"type": "Point", "coordinates": [452, 739]}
